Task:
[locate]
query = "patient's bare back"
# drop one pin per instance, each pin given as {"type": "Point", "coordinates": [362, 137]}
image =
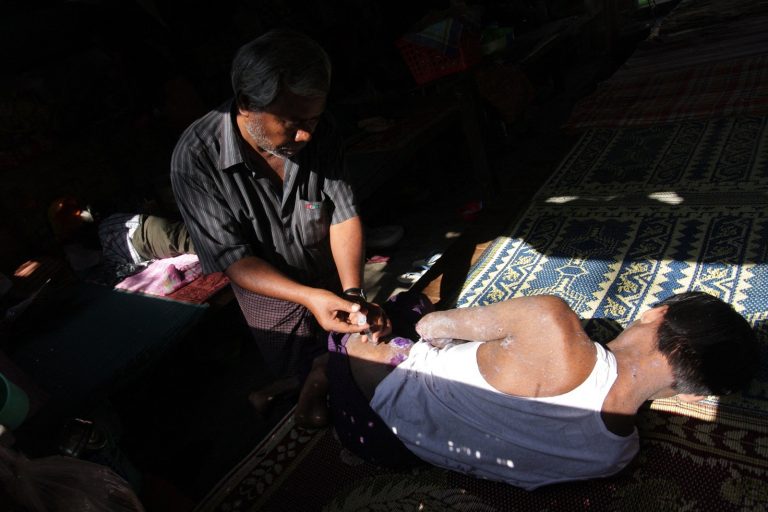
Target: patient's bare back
{"type": "Point", "coordinates": [534, 346]}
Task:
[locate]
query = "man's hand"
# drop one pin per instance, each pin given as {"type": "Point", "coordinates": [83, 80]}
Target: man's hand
{"type": "Point", "coordinates": [335, 313]}
{"type": "Point", "coordinates": [348, 315]}
{"type": "Point", "coordinates": [371, 315]}
{"type": "Point", "coordinates": [378, 323]}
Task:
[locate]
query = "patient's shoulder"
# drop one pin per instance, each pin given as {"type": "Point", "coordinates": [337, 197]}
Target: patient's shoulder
{"type": "Point", "coordinates": [551, 314]}
{"type": "Point", "coordinates": [551, 304]}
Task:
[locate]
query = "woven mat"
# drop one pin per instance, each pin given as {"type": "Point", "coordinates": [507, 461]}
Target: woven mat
{"type": "Point", "coordinates": [696, 15]}
{"type": "Point", "coordinates": [716, 89]}
{"type": "Point", "coordinates": [715, 70]}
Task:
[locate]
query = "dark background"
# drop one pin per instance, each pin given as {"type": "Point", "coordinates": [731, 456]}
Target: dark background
{"type": "Point", "coordinates": [94, 94]}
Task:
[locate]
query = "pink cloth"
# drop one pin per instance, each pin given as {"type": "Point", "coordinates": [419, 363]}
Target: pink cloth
{"type": "Point", "coordinates": [163, 277]}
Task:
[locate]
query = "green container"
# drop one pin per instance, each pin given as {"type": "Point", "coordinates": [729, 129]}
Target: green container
{"type": "Point", "coordinates": [14, 404]}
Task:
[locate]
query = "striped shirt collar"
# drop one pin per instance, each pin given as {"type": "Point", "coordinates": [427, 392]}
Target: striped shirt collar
{"type": "Point", "coordinates": [230, 154]}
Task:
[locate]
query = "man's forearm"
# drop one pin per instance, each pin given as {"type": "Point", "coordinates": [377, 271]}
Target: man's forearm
{"type": "Point", "coordinates": [347, 247]}
{"type": "Point", "coordinates": [258, 276]}
{"type": "Point", "coordinates": [330, 310]}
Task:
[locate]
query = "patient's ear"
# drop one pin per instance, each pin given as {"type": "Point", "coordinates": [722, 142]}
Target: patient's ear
{"type": "Point", "coordinates": [654, 314]}
{"type": "Point", "coordinates": [687, 397]}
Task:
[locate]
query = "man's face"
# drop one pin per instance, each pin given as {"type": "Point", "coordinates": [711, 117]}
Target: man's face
{"type": "Point", "coordinates": [284, 127]}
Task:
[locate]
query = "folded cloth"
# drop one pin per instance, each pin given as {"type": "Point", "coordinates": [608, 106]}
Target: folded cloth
{"type": "Point", "coordinates": [164, 276]}
{"type": "Point", "coordinates": [201, 289]}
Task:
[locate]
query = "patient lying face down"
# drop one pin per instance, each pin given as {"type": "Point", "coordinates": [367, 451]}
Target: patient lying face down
{"type": "Point", "coordinates": [517, 392]}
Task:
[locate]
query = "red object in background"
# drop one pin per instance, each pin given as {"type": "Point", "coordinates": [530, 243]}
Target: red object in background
{"type": "Point", "coordinates": [471, 210]}
{"type": "Point", "coordinates": [427, 64]}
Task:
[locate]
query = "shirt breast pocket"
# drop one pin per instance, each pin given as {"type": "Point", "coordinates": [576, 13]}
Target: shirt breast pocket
{"type": "Point", "coordinates": [314, 222]}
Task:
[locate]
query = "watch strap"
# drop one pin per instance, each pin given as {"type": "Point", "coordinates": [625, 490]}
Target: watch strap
{"type": "Point", "coordinates": [354, 292]}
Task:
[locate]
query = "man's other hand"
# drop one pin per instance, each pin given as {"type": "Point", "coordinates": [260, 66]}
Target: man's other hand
{"type": "Point", "coordinates": [378, 323]}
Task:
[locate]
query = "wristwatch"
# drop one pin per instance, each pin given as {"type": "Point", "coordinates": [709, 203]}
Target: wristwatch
{"type": "Point", "coordinates": [354, 292]}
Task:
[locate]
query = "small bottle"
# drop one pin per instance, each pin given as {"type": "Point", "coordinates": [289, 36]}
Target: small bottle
{"type": "Point", "coordinates": [362, 320]}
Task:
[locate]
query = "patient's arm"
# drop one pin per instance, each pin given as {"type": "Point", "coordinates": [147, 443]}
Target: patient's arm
{"type": "Point", "coordinates": [371, 363]}
{"type": "Point", "coordinates": [518, 317]}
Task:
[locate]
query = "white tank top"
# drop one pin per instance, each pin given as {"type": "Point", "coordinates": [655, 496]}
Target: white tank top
{"type": "Point", "coordinates": [445, 412]}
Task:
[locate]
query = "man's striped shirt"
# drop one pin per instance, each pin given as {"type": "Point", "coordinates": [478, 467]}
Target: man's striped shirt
{"type": "Point", "coordinates": [232, 210]}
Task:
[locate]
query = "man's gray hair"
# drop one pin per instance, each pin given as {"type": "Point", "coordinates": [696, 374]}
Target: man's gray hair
{"type": "Point", "coordinates": [276, 60]}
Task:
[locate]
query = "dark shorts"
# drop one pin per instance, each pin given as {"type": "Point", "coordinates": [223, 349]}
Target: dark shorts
{"type": "Point", "coordinates": [358, 427]}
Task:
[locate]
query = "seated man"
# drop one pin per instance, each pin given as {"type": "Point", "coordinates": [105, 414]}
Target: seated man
{"type": "Point", "coordinates": [530, 400]}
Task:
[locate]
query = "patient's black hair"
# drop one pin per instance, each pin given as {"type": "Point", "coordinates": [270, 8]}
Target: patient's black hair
{"type": "Point", "coordinates": [712, 349]}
